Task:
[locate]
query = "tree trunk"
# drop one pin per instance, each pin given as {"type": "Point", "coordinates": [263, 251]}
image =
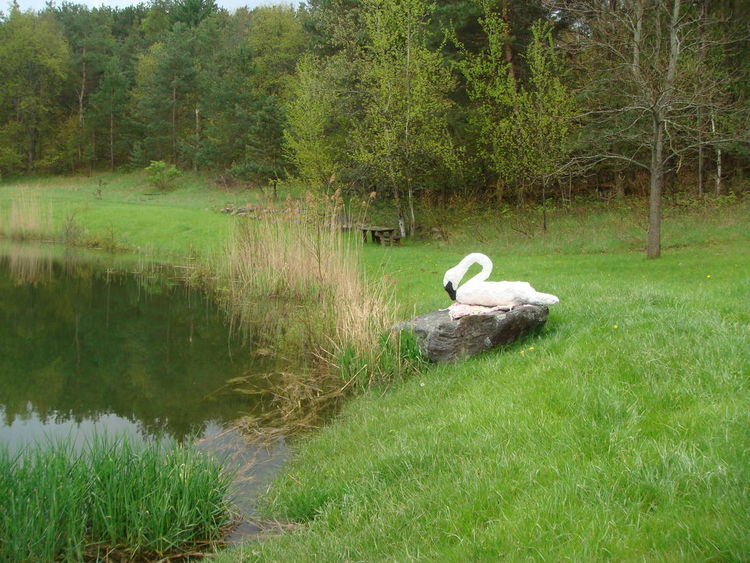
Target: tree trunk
{"type": "Point", "coordinates": [92, 161]}
{"type": "Point", "coordinates": [412, 217]}
{"type": "Point", "coordinates": [81, 95]}
{"type": "Point", "coordinates": [700, 158]}
{"type": "Point", "coordinates": [197, 138]}
{"type": "Point", "coordinates": [82, 91]}
{"type": "Point", "coordinates": [718, 159]}
{"type": "Point", "coordinates": [620, 185]}
{"type": "Point", "coordinates": [409, 194]}
{"type": "Point", "coordinates": [544, 205]}
{"type": "Point", "coordinates": [499, 191]}
{"type": "Point", "coordinates": [399, 210]}
{"type": "Point", "coordinates": [174, 120]}
{"type": "Point", "coordinates": [111, 141]}
{"type": "Point", "coordinates": [653, 250]}
{"type": "Point", "coordinates": [508, 47]}
{"type": "Point", "coordinates": [31, 154]}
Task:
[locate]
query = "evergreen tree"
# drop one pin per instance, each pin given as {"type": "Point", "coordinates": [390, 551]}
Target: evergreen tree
{"type": "Point", "coordinates": [109, 107]}
{"type": "Point", "coordinates": [165, 95]}
{"type": "Point", "coordinates": [193, 12]}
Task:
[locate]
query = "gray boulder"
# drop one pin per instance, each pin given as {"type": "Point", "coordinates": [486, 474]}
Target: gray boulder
{"type": "Point", "coordinates": [441, 339]}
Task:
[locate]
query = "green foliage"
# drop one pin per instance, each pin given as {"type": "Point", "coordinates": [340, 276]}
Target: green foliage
{"type": "Point", "coordinates": [165, 108]}
{"type": "Point", "coordinates": [34, 64]}
{"type": "Point", "coordinates": [371, 94]}
{"type": "Point", "coordinates": [526, 127]}
{"type": "Point", "coordinates": [313, 139]}
{"type": "Point", "coordinates": [276, 40]}
{"type": "Point", "coordinates": [161, 175]}
{"type": "Point", "coordinates": [145, 499]}
{"type": "Point", "coordinates": [192, 12]}
{"type": "Point", "coordinates": [403, 136]}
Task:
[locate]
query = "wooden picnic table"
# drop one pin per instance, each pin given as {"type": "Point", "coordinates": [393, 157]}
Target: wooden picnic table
{"type": "Point", "coordinates": [380, 234]}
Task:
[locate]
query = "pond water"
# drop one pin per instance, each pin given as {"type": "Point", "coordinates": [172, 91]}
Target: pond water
{"type": "Point", "coordinates": [86, 346]}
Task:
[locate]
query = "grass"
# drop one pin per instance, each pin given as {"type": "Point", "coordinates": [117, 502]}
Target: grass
{"type": "Point", "coordinates": [124, 211]}
{"type": "Point", "coordinates": [112, 499]}
{"type": "Point", "coordinates": [617, 432]}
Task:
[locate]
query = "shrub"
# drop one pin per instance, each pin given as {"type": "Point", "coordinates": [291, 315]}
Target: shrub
{"type": "Point", "coordinates": [161, 175]}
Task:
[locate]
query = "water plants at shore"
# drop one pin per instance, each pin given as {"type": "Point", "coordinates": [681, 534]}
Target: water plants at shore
{"type": "Point", "coordinates": [304, 280]}
{"type": "Point", "coordinates": [113, 497]}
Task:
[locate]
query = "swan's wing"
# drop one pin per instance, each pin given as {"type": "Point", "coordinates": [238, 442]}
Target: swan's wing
{"type": "Point", "coordinates": [491, 294]}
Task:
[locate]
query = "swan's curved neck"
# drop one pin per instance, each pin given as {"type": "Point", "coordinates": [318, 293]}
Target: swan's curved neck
{"type": "Point", "coordinates": [476, 258]}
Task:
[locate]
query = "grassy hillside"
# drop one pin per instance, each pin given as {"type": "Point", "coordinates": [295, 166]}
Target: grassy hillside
{"type": "Point", "coordinates": [618, 431]}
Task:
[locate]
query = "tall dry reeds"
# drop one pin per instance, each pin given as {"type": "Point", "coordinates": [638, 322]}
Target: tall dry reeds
{"type": "Point", "coordinates": [300, 266]}
{"type": "Point", "coordinates": [25, 218]}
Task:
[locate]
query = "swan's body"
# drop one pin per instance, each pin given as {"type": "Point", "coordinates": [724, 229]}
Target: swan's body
{"type": "Point", "coordinates": [478, 291]}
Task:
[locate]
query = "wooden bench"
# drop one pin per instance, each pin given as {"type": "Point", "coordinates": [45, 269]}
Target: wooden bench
{"type": "Point", "coordinates": [381, 235]}
{"type": "Point", "coordinates": [390, 238]}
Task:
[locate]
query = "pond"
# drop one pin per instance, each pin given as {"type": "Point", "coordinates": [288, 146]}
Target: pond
{"type": "Point", "coordinates": [92, 344]}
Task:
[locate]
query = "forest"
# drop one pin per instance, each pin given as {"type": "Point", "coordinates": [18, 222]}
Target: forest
{"type": "Point", "coordinates": [509, 101]}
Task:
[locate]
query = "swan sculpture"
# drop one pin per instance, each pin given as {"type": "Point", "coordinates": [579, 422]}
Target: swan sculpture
{"type": "Point", "coordinates": [478, 291]}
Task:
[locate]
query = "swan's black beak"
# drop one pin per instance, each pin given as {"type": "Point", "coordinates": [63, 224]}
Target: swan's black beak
{"type": "Point", "coordinates": [450, 290]}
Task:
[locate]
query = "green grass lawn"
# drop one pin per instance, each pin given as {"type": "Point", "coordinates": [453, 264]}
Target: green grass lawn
{"type": "Point", "coordinates": [130, 213]}
{"type": "Point", "coordinates": [619, 431]}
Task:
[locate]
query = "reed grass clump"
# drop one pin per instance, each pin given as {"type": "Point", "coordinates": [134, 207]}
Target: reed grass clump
{"type": "Point", "coordinates": [311, 275]}
{"type": "Point", "coordinates": [113, 498]}
{"type": "Point", "coordinates": [25, 218]}
{"type": "Point", "coordinates": [302, 277]}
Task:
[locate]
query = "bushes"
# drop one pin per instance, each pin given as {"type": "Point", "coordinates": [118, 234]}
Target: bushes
{"type": "Point", "coordinates": [161, 175]}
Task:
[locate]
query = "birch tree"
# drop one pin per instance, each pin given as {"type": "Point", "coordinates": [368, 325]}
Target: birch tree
{"type": "Point", "coordinates": [403, 135]}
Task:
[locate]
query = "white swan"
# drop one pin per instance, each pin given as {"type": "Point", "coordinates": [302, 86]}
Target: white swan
{"type": "Point", "coordinates": [478, 291]}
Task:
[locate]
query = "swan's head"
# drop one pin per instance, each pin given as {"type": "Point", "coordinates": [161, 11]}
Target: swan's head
{"type": "Point", "coordinates": [451, 280]}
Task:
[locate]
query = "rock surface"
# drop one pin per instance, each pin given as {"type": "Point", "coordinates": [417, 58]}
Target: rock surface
{"type": "Point", "coordinates": [444, 340]}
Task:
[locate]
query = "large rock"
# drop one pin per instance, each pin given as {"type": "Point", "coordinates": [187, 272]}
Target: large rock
{"type": "Point", "coordinates": [444, 340]}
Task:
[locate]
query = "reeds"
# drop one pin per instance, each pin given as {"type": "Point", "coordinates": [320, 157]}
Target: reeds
{"type": "Point", "coordinates": [27, 264]}
{"type": "Point", "coordinates": [301, 265]}
{"type": "Point", "coordinates": [111, 498]}
{"type": "Point", "coordinates": [302, 277]}
{"type": "Point", "coordinates": [26, 218]}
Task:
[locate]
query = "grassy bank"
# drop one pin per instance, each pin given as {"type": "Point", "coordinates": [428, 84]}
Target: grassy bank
{"type": "Point", "coordinates": [113, 499]}
{"type": "Point", "coordinates": [619, 431]}
{"type": "Point", "coordinates": [124, 211]}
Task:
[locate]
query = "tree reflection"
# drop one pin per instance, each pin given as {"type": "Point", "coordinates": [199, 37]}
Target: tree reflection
{"type": "Point", "coordinates": [78, 341]}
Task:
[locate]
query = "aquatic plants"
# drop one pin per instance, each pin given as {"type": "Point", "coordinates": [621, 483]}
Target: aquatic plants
{"type": "Point", "coordinates": [299, 279]}
{"type": "Point", "coordinates": [111, 496]}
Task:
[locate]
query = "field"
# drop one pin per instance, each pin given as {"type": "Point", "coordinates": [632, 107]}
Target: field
{"type": "Point", "coordinates": [618, 431]}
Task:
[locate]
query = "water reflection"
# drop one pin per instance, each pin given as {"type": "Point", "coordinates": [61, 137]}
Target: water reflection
{"type": "Point", "coordinates": [82, 343]}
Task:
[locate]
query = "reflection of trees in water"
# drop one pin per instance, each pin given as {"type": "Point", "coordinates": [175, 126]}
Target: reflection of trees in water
{"type": "Point", "coordinates": [80, 342]}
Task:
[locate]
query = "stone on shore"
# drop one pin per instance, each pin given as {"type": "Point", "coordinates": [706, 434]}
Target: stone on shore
{"type": "Point", "coordinates": [442, 339]}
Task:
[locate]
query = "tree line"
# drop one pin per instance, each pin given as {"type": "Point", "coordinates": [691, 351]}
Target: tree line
{"type": "Point", "coordinates": [513, 100]}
